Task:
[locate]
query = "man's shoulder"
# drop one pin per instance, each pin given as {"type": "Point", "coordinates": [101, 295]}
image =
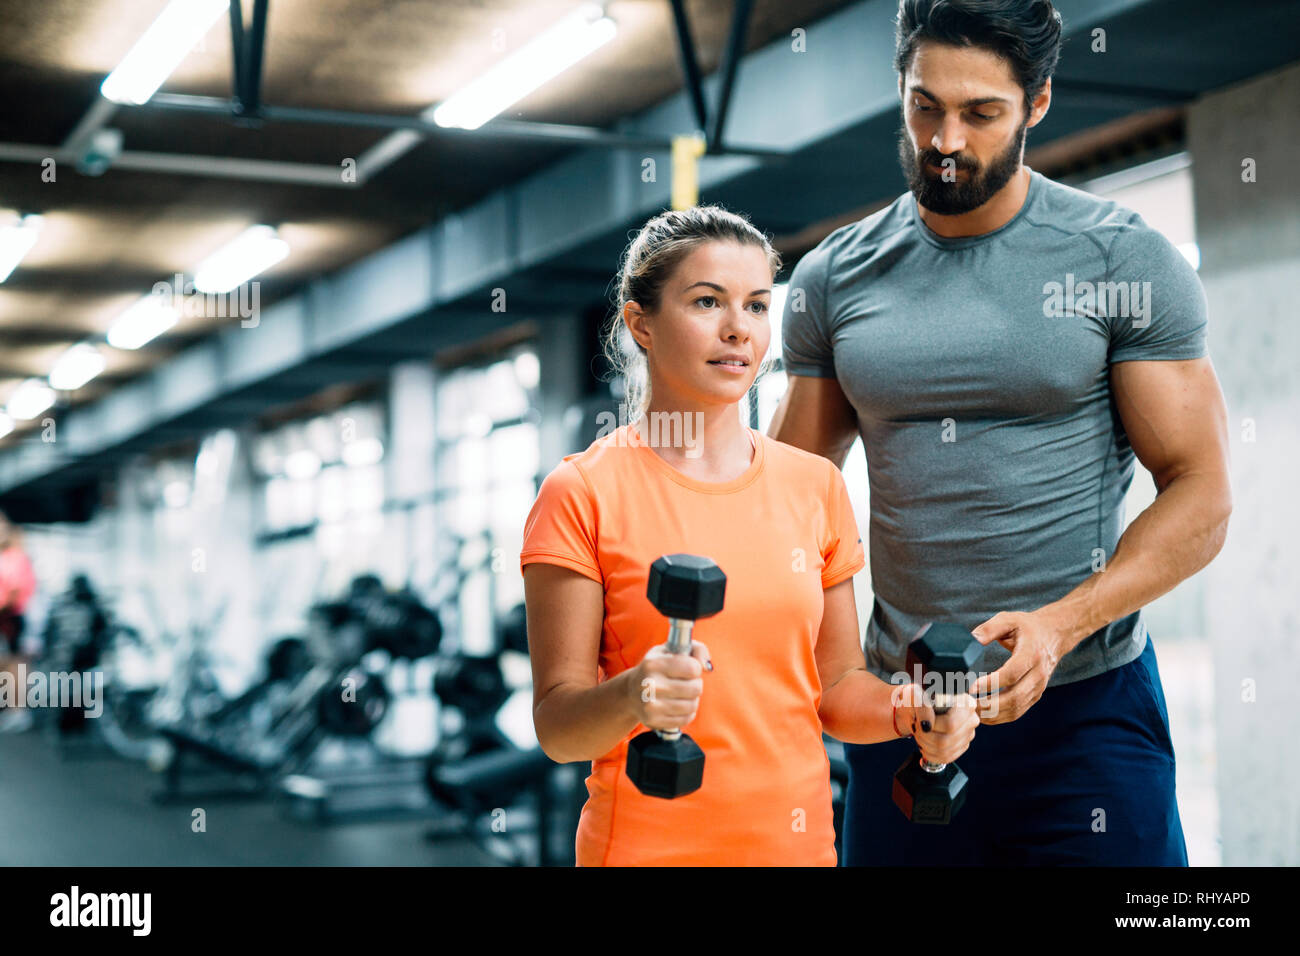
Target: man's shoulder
{"type": "Point", "coordinates": [1128, 243]}
{"type": "Point", "coordinates": [1070, 209]}
{"type": "Point", "coordinates": [866, 234]}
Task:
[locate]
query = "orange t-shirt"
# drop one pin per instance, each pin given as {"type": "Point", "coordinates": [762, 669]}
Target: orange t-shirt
{"type": "Point", "coordinates": [782, 532]}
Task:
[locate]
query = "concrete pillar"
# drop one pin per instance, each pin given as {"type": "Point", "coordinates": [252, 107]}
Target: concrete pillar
{"type": "Point", "coordinates": [1249, 237]}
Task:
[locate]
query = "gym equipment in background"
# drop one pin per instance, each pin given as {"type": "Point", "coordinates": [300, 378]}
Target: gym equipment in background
{"type": "Point", "coordinates": [510, 800]}
{"type": "Point", "coordinates": [304, 732]}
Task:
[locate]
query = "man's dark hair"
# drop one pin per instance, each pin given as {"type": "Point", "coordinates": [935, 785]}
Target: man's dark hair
{"type": "Point", "coordinates": [1025, 33]}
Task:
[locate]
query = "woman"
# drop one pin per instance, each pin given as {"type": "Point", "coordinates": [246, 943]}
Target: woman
{"type": "Point", "coordinates": [17, 584]}
{"type": "Point", "coordinates": [782, 660]}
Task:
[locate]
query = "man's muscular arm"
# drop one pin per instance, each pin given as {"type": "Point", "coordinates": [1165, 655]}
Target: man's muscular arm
{"type": "Point", "coordinates": [815, 415]}
{"type": "Point", "coordinates": [1176, 421]}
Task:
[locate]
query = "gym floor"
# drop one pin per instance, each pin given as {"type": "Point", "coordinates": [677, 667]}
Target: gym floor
{"type": "Point", "coordinates": [97, 810]}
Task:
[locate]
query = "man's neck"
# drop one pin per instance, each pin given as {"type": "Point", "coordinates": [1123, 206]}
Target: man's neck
{"type": "Point", "coordinates": [994, 214]}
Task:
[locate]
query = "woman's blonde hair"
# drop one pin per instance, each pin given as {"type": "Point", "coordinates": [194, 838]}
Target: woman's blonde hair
{"type": "Point", "coordinates": [645, 268]}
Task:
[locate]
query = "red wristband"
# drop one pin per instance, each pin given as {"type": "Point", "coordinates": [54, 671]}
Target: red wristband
{"type": "Point", "coordinates": [894, 717]}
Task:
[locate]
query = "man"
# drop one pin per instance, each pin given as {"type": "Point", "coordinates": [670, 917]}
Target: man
{"type": "Point", "coordinates": [1005, 346]}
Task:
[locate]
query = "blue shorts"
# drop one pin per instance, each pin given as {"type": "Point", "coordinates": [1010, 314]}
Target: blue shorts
{"type": "Point", "coordinates": [1085, 777]}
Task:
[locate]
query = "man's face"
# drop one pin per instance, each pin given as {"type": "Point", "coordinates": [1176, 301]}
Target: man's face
{"type": "Point", "coordinates": [964, 126]}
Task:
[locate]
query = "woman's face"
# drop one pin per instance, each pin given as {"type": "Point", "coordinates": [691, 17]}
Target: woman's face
{"type": "Point", "coordinates": [711, 331]}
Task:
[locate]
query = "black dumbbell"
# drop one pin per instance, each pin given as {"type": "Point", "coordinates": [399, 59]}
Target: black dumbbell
{"type": "Point", "coordinates": [356, 709]}
{"type": "Point", "coordinates": [684, 588]}
{"type": "Point", "coordinates": [400, 624]}
{"type": "Point", "coordinates": [475, 686]}
{"type": "Point", "coordinates": [946, 654]}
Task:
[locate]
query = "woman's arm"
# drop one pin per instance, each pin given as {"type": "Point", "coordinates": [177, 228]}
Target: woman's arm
{"type": "Point", "coordinates": [577, 716]}
{"type": "Point", "coordinates": [857, 707]}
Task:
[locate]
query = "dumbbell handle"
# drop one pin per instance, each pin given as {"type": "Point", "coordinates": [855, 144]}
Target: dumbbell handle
{"type": "Point", "coordinates": [679, 635]}
{"type": "Point", "coordinates": [679, 642]}
{"type": "Point", "coordinates": [942, 702]}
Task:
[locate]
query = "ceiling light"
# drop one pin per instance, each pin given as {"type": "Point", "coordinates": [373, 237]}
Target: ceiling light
{"type": "Point", "coordinates": [75, 367]}
{"type": "Point", "coordinates": [146, 320]}
{"type": "Point", "coordinates": [161, 48]}
{"type": "Point", "coordinates": [16, 240]}
{"type": "Point", "coordinates": [30, 399]}
{"type": "Point", "coordinates": [546, 56]}
{"type": "Point", "coordinates": [253, 251]}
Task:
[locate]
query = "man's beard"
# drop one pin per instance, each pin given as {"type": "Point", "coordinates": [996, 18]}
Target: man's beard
{"type": "Point", "coordinates": [957, 197]}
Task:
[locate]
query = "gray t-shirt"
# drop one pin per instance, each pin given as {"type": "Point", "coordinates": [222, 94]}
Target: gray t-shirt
{"type": "Point", "coordinates": [979, 369]}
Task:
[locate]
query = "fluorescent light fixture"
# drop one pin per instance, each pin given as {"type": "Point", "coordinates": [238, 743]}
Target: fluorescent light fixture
{"type": "Point", "coordinates": [30, 399]}
{"type": "Point", "coordinates": [146, 320]}
{"type": "Point", "coordinates": [254, 250]}
{"type": "Point", "coordinates": [16, 240]}
{"type": "Point", "coordinates": [181, 25]}
{"type": "Point", "coordinates": [541, 59]}
{"type": "Point", "coordinates": [75, 367]}
{"type": "Point", "coordinates": [6, 424]}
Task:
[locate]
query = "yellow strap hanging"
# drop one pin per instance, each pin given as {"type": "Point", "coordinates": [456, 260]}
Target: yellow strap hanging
{"type": "Point", "coordinates": [687, 151]}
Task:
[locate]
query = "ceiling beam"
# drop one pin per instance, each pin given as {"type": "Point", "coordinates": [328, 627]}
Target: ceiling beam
{"type": "Point", "coordinates": [730, 58]}
{"type": "Point", "coordinates": [558, 133]}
